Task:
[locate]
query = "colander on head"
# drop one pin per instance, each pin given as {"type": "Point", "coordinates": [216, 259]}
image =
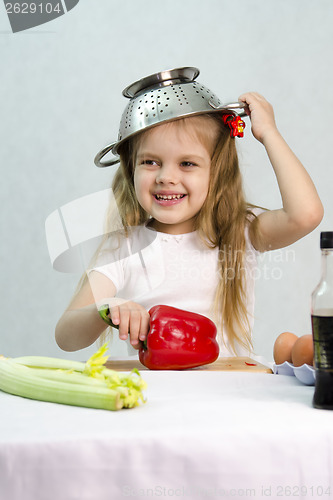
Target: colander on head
{"type": "Point", "coordinates": [159, 98]}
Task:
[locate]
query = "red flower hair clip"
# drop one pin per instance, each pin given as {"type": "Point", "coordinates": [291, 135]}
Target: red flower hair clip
{"type": "Point", "coordinates": [235, 123]}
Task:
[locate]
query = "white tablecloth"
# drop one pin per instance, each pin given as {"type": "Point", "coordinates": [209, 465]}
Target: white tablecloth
{"type": "Point", "coordinates": [200, 435]}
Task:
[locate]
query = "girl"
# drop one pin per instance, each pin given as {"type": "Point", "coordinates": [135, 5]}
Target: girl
{"type": "Point", "coordinates": [180, 198]}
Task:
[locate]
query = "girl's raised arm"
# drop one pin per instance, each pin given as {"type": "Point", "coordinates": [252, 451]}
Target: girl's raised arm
{"type": "Point", "coordinates": [302, 209]}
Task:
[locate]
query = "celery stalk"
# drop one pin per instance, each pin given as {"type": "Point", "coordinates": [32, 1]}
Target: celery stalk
{"type": "Point", "coordinates": [88, 384]}
{"type": "Point", "coordinates": [52, 363]}
{"type": "Point", "coordinates": [22, 383]}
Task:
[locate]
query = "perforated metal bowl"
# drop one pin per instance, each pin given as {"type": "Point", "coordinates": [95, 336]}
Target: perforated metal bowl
{"type": "Point", "coordinates": [162, 97]}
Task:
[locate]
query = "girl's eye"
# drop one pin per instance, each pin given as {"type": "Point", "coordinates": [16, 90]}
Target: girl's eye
{"type": "Point", "coordinates": [148, 162]}
{"type": "Point", "coordinates": [188, 164]}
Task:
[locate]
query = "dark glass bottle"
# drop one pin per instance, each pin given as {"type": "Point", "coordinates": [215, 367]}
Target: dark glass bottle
{"type": "Point", "coordinates": [322, 327]}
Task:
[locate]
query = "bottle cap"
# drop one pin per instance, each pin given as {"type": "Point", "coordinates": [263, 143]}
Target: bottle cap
{"type": "Point", "coordinates": [326, 239]}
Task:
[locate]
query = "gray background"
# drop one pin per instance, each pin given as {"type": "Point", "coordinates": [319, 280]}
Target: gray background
{"type": "Point", "coordinates": [61, 102]}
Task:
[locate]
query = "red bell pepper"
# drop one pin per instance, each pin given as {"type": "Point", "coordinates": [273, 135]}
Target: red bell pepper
{"type": "Point", "coordinates": [178, 340]}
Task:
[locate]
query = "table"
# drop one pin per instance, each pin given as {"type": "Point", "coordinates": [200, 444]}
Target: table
{"type": "Point", "coordinates": [200, 435]}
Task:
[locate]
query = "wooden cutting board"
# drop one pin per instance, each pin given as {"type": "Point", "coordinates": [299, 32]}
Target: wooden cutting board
{"type": "Point", "coordinates": [236, 364]}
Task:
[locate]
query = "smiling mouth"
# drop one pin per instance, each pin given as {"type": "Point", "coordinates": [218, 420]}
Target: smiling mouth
{"type": "Point", "coordinates": [169, 197]}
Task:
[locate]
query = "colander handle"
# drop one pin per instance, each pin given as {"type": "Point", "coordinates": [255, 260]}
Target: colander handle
{"type": "Point", "coordinates": [101, 155]}
{"type": "Point", "coordinates": [236, 105]}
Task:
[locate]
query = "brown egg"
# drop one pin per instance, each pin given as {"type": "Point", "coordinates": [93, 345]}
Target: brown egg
{"type": "Point", "coordinates": [302, 352]}
{"type": "Point", "coordinates": [283, 346]}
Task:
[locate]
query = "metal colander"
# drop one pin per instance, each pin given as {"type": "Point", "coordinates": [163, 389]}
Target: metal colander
{"type": "Point", "coordinates": [162, 97]}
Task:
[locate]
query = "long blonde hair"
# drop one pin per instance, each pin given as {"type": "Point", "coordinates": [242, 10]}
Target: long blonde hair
{"type": "Point", "coordinates": [221, 222]}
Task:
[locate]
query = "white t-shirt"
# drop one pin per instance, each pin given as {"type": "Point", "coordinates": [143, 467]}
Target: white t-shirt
{"type": "Point", "coordinates": [152, 268]}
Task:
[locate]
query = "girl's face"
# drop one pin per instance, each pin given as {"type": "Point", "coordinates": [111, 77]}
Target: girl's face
{"type": "Point", "coordinates": [171, 177]}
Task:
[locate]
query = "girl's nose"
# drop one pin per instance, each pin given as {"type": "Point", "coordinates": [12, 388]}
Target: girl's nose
{"type": "Point", "coordinates": [167, 174]}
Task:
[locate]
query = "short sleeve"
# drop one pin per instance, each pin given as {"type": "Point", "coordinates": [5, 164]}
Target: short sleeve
{"type": "Point", "coordinates": [111, 259]}
{"type": "Point", "coordinates": [114, 272]}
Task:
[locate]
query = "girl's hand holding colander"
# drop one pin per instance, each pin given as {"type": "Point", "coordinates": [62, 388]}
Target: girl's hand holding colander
{"type": "Point", "coordinates": [261, 114]}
